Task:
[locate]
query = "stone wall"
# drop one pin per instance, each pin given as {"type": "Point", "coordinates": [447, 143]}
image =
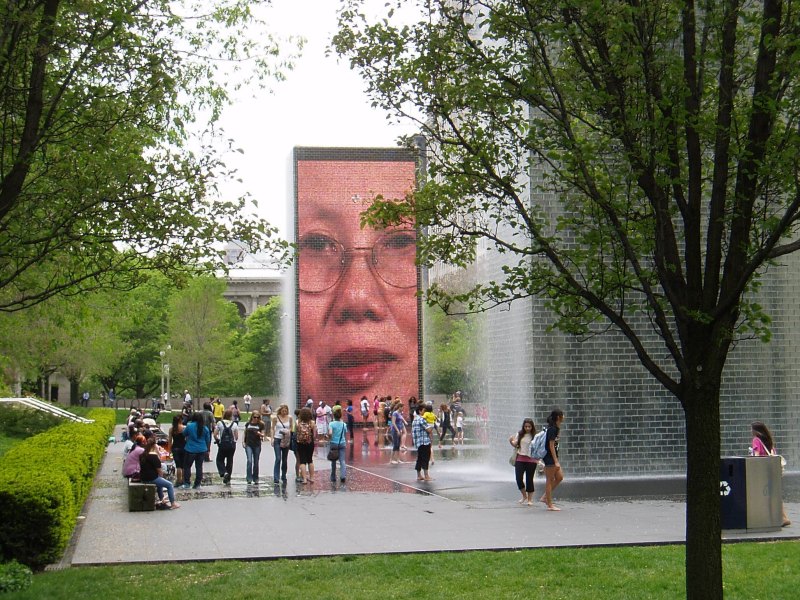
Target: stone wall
{"type": "Point", "coordinates": [619, 420]}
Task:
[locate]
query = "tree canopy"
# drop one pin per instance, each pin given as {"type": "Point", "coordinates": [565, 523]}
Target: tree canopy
{"type": "Point", "coordinates": [635, 161]}
{"type": "Point", "coordinates": [110, 153]}
{"type": "Point", "coordinates": [78, 337]}
{"type": "Point", "coordinates": [203, 330]}
{"type": "Point", "coordinates": [261, 348]}
{"type": "Point", "coordinates": [452, 353]}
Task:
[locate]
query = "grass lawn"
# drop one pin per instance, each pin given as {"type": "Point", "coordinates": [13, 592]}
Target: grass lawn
{"type": "Point", "coordinates": [769, 570]}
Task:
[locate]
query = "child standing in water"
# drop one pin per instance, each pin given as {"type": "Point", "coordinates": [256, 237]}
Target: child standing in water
{"type": "Point", "coordinates": [459, 428]}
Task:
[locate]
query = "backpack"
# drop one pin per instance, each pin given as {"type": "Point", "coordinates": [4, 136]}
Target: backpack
{"type": "Point", "coordinates": [539, 444]}
{"type": "Point", "coordinates": [304, 433]}
{"type": "Point", "coordinates": [226, 441]}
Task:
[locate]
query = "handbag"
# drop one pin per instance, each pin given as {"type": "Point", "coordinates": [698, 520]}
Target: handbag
{"type": "Point", "coordinates": [512, 460]}
{"type": "Point", "coordinates": [783, 460]}
{"type": "Point", "coordinates": [286, 436]}
{"type": "Point", "coordinates": [333, 452]}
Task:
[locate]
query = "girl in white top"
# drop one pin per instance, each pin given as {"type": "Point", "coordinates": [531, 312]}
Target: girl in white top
{"type": "Point", "coordinates": [282, 426]}
{"type": "Point", "coordinates": [524, 465]}
{"type": "Point", "coordinates": [459, 428]}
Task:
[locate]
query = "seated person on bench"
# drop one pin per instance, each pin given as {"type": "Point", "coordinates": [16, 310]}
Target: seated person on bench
{"type": "Point", "coordinates": [151, 473]}
{"type": "Point", "coordinates": [131, 465]}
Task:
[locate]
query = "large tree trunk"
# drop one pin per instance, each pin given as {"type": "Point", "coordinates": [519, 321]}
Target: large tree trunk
{"type": "Point", "coordinates": [198, 375]}
{"type": "Point", "coordinates": [703, 534]}
{"type": "Point", "coordinates": [74, 392]}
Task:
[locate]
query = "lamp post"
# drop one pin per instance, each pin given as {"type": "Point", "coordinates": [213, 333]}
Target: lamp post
{"type": "Point", "coordinates": [167, 405]}
{"type": "Point", "coordinates": [165, 377]}
{"type": "Point", "coordinates": [163, 355]}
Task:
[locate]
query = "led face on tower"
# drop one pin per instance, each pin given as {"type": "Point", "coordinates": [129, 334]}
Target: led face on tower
{"type": "Point", "coordinates": [358, 314]}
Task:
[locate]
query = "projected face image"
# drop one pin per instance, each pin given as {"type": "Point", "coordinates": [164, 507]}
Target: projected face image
{"type": "Point", "coordinates": [357, 302]}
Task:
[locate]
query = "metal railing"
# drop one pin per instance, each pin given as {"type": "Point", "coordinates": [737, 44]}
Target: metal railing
{"type": "Point", "coordinates": [46, 407]}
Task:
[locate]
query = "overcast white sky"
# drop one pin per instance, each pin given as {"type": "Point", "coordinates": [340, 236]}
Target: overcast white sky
{"type": "Point", "coordinates": [321, 103]}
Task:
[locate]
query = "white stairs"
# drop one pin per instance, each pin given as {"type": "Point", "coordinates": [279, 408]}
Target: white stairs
{"type": "Point", "coordinates": [46, 407]}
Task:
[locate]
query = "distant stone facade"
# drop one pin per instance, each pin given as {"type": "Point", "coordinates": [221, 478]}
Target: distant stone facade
{"type": "Point", "coordinates": [248, 293]}
{"type": "Point", "coordinates": [252, 279]}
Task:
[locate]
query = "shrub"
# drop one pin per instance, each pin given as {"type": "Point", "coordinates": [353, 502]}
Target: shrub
{"type": "Point", "coordinates": [44, 482]}
{"type": "Point", "coordinates": [14, 577]}
{"type": "Point", "coordinates": [18, 421]}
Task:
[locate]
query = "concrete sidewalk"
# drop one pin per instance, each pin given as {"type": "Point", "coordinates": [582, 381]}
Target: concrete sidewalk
{"type": "Point", "coordinates": [467, 507]}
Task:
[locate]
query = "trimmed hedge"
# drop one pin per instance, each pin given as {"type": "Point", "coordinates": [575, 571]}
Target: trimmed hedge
{"type": "Point", "coordinates": [22, 422]}
{"type": "Point", "coordinates": [44, 482]}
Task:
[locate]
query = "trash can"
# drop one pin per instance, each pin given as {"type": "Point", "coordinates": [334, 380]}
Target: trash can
{"type": "Point", "coordinates": [751, 493]}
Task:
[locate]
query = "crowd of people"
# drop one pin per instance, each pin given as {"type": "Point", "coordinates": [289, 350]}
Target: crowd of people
{"type": "Point", "coordinates": [144, 457]}
{"type": "Point", "coordinates": [193, 432]}
{"type": "Point", "coordinates": [391, 418]}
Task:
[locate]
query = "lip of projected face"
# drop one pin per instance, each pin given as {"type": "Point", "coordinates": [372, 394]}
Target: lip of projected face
{"type": "Point", "coordinates": [360, 368]}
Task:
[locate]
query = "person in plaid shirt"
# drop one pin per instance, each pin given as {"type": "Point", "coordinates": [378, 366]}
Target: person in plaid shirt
{"type": "Point", "coordinates": [420, 432]}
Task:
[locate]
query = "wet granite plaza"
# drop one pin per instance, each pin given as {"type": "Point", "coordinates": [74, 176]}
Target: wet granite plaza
{"type": "Point", "coordinates": [470, 504]}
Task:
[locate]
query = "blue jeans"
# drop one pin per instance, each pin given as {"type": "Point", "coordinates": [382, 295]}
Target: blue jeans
{"type": "Point", "coordinates": [396, 439]}
{"type": "Point", "coordinates": [162, 484]}
{"type": "Point", "coordinates": [342, 465]}
{"type": "Point", "coordinates": [197, 458]}
{"type": "Point", "coordinates": [281, 461]}
{"type": "Point", "coordinates": [253, 455]}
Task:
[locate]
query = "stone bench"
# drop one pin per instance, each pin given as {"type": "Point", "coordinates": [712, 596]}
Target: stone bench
{"type": "Point", "coordinates": [141, 496]}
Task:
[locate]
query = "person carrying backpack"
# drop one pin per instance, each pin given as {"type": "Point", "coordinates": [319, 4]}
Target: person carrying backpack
{"type": "Point", "coordinates": [226, 434]}
{"type": "Point", "coordinates": [552, 467]}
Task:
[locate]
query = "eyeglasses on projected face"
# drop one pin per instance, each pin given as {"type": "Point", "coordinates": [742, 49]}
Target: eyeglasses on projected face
{"type": "Point", "coordinates": [323, 260]}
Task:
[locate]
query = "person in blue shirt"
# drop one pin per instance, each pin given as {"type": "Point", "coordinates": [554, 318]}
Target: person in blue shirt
{"type": "Point", "coordinates": [337, 431]}
{"type": "Point", "coordinates": [198, 439]}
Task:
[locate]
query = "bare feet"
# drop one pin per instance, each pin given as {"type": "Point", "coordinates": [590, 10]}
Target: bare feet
{"type": "Point", "coordinates": [429, 479]}
{"type": "Point", "coordinates": [174, 505]}
{"type": "Point", "coordinates": [522, 501]}
{"type": "Point", "coordinates": [420, 479]}
{"type": "Point", "coordinates": [554, 508]}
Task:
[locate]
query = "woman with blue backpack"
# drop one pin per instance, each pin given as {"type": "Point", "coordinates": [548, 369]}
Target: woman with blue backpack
{"type": "Point", "coordinates": [552, 468]}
